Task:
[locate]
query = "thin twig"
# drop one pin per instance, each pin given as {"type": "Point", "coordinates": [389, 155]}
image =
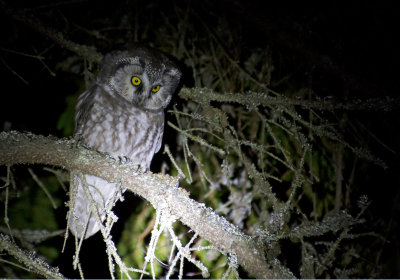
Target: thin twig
{"type": "Point", "coordinates": [43, 187]}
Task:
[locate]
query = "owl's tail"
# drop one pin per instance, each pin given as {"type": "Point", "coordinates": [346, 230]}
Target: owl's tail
{"type": "Point", "coordinates": [82, 215]}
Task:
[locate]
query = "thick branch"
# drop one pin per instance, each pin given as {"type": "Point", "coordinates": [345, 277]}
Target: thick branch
{"type": "Point", "coordinates": [18, 148]}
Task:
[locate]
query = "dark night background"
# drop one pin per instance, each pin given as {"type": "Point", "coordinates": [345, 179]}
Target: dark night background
{"type": "Point", "coordinates": [346, 51]}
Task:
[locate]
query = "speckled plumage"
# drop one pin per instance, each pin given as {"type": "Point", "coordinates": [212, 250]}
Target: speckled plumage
{"type": "Point", "coordinates": [122, 119]}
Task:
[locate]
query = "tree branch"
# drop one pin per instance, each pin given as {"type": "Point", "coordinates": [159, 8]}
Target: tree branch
{"type": "Point", "coordinates": [272, 98]}
{"type": "Point", "coordinates": [88, 52]}
{"type": "Point", "coordinates": [158, 189]}
{"type": "Point", "coordinates": [32, 262]}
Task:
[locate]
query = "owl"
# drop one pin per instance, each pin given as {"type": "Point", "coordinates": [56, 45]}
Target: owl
{"type": "Point", "coordinates": [121, 114]}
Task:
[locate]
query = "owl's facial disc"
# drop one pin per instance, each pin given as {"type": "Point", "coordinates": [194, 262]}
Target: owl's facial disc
{"type": "Point", "coordinates": [141, 90]}
{"type": "Point", "coordinates": [143, 79]}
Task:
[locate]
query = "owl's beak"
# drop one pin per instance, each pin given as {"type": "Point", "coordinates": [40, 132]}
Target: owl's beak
{"type": "Point", "coordinates": [142, 100]}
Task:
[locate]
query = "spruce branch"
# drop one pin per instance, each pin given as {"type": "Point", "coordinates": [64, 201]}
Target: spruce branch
{"type": "Point", "coordinates": [29, 258]}
{"type": "Point", "coordinates": [88, 52]}
{"type": "Point", "coordinates": [272, 98]}
{"type": "Point", "coordinates": [158, 189]}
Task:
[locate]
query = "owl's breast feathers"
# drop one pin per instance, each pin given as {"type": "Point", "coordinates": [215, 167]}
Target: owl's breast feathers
{"type": "Point", "coordinates": [109, 125]}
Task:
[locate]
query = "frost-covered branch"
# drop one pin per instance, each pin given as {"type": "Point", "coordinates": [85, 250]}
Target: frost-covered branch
{"type": "Point", "coordinates": [32, 262]}
{"type": "Point", "coordinates": [271, 98]}
{"type": "Point", "coordinates": [26, 148]}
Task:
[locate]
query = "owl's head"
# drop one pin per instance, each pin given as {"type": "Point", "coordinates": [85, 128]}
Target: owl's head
{"type": "Point", "coordinates": [142, 76]}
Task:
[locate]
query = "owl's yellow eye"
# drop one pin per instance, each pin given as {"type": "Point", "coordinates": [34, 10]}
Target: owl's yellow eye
{"type": "Point", "coordinates": [136, 81]}
{"type": "Point", "coordinates": [155, 88]}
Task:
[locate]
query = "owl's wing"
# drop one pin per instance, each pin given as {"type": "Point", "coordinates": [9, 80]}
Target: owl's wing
{"type": "Point", "coordinates": [83, 108]}
{"type": "Point", "coordinates": [103, 193]}
{"type": "Point", "coordinates": [159, 138]}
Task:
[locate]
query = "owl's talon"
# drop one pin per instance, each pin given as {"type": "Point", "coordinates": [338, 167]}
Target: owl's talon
{"type": "Point", "coordinates": [123, 160]}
